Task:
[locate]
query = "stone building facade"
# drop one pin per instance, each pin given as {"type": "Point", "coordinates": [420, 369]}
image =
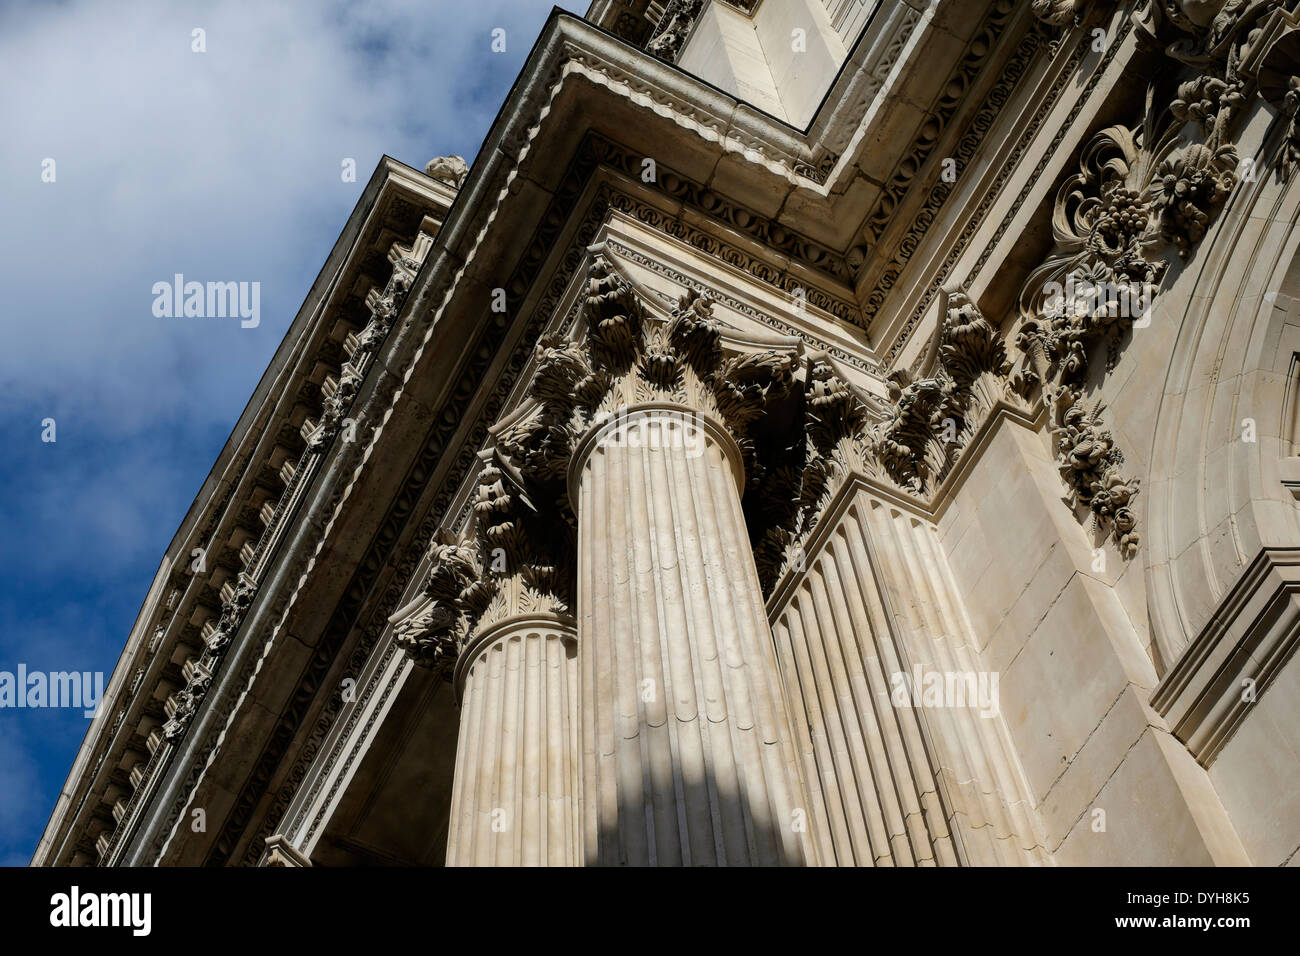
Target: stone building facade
{"type": "Point", "coordinates": [812, 432]}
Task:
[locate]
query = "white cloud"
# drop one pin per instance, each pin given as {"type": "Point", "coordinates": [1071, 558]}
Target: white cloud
{"type": "Point", "coordinates": [221, 165]}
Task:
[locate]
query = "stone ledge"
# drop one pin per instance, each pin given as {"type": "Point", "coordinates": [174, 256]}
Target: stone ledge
{"type": "Point", "coordinates": [1251, 636]}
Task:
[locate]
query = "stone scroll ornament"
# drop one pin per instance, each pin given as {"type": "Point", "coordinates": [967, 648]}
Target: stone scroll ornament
{"type": "Point", "coordinates": [1141, 199]}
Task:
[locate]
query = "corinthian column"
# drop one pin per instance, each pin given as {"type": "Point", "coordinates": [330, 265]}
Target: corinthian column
{"type": "Point", "coordinates": [686, 743]}
{"type": "Point", "coordinates": [639, 428]}
{"type": "Point", "coordinates": [493, 617]}
{"type": "Point", "coordinates": [515, 796]}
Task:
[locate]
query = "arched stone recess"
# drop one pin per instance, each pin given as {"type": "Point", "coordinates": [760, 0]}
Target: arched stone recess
{"type": "Point", "coordinates": [1224, 574]}
{"type": "Point", "coordinates": [1224, 454]}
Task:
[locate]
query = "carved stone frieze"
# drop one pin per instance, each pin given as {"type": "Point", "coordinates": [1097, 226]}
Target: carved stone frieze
{"type": "Point", "coordinates": [673, 28]}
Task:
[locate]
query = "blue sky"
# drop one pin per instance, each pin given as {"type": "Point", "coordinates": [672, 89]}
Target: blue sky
{"type": "Point", "coordinates": [222, 165]}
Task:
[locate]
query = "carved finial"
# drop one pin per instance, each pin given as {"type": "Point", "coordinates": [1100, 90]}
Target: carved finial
{"type": "Point", "coordinates": [451, 170]}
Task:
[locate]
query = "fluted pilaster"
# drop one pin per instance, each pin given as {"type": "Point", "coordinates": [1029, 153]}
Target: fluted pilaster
{"type": "Point", "coordinates": [515, 794]}
{"type": "Point", "coordinates": [687, 750]}
{"type": "Point", "coordinates": [991, 803]}
{"type": "Point", "coordinates": [878, 802]}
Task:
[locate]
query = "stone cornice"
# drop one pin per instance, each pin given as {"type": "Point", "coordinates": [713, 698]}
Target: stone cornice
{"type": "Point", "coordinates": [384, 305]}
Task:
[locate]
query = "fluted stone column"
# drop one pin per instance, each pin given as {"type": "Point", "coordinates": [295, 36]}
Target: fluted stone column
{"type": "Point", "coordinates": [515, 794]}
{"type": "Point", "coordinates": [687, 752]}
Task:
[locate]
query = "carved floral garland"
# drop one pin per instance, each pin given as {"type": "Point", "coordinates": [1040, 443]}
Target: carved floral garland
{"type": "Point", "coordinates": [1141, 197]}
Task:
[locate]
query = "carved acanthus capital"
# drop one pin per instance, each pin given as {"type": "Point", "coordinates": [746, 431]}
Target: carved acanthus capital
{"type": "Point", "coordinates": [973, 352]}
{"type": "Point", "coordinates": [625, 357]}
{"type": "Point", "coordinates": [910, 444]}
{"type": "Point", "coordinates": [934, 415]}
{"type": "Point", "coordinates": [832, 443]}
{"type": "Point", "coordinates": [912, 441]}
{"type": "Point", "coordinates": [432, 627]}
{"type": "Point", "coordinates": [513, 559]}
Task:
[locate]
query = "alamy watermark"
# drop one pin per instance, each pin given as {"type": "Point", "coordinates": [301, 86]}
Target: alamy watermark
{"type": "Point", "coordinates": [211, 300]}
{"type": "Point", "coordinates": [932, 689]}
{"type": "Point", "coordinates": [75, 908]}
{"type": "Point", "coordinates": [648, 428]}
{"type": "Point", "coordinates": [78, 689]}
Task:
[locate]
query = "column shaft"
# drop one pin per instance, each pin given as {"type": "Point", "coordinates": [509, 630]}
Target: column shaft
{"type": "Point", "coordinates": [515, 793]}
{"type": "Point", "coordinates": [687, 751]}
